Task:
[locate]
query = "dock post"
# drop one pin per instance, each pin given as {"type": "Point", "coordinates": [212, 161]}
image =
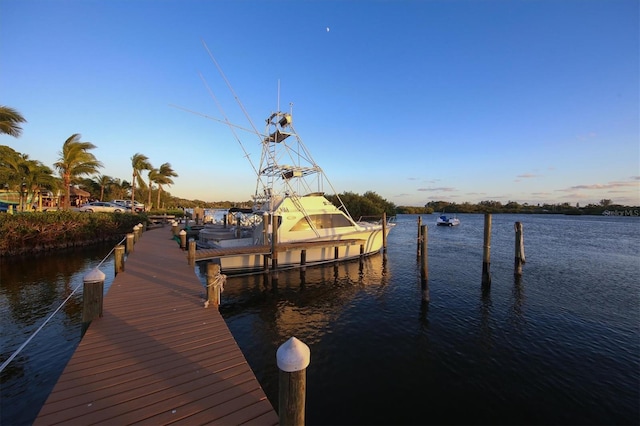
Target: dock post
{"type": "Point", "coordinates": [424, 263]}
{"type": "Point", "coordinates": [419, 236]}
{"type": "Point", "coordinates": [130, 242]}
{"type": "Point", "coordinates": [191, 254]}
{"type": "Point", "coordinates": [303, 259]}
{"type": "Point", "coordinates": [384, 232]}
{"type": "Point", "coordinates": [93, 288]}
{"type": "Point", "coordinates": [274, 244]}
{"type": "Point", "coordinates": [215, 284]}
{"type": "Point", "coordinates": [265, 228]}
{"type": "Point", "coordinates": [486, 253]}
{"type": "Point", "coordinates": [238, 226]}
{"type": "Point", "coordinates": [174, 228]}
{"type": "Point", "coordinates": [519, 251]}
{"type": "Point", "coordinates": [136, 233]}
{"type": "Point", "coordinates": [119, 258]}
{"type": "Point", "coordinates": [293, 358]}
{"type": "Point", "coordinates": [183, 239]}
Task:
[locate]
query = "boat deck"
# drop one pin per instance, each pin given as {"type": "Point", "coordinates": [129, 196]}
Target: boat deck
{"type": "Point", "coordinates": [157, 356]}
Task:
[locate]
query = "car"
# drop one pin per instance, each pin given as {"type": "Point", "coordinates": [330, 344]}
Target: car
{"type": "Point", "coordinates": [138, 207]}
{"type": "Point", "coordinates": [101, 206]}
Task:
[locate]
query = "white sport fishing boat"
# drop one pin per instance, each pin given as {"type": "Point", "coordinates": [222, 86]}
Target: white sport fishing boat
{"type": "Point", "coordinates": [290, 187]}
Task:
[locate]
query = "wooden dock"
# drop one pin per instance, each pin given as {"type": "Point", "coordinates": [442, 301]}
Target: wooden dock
{"type": "Point", "coordinates": [157, 356]}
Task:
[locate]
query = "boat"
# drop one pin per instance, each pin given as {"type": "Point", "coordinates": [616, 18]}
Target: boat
{"type": "Point", "coordinates": [289, 209]}
{"type": "Point", "coordinates": [444, 220]}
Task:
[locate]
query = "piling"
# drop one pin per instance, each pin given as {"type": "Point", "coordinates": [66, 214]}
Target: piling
{"type": "Point", "coordinates": [419, 237]}
{"type": "Point", "coordinates": [238, 226]}
{"type": "Point", "coordinates": [519, 249]}
{"type": "Point", "coordinates": [118, 255]}
{"type": "Point", "coordinates": [486, 253]}
{"type": "Point", "coordinates": [191, 254]}
{"type": "Point", "coordinates": [130, 243]}
{"type": "Point", "coordinates": [265, 228]}
{"type": "Point", "coordinates": [274, 242]}
{"type": "Point", "coordinates": [293, 358]}
{"type": "Point", "coordinates": [136, 234]}
{"type": "Point", "coordinates": [424, 263]}
{"type": "Point", "coordinates": [174, 228]}
{"type": "Point", "coordinates": [183, 239]}
{"type": "Point", "coordinates": [92, 296]}
{"type": "Point", "coordinates": [384, 232]}
{"type": "Point", "coordinates": [215, 284]}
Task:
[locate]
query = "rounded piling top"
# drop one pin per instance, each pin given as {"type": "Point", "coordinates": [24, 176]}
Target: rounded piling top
{"type": "Point", "coordinates": [293, 355]}
{"type": "Point", "coordinates": [183, 232]}
{"type": "Point", "coordinates": [95, 276]}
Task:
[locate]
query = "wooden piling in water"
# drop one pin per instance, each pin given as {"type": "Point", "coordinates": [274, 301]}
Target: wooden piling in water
{"type": "Point", "coordinates": [419, 240]}
{"type": "Point", "coordinates": [92, 297]}
{"type": "Point", "coordinates": [191, 254]}
{"type": "Point", "coordinates": [293, 358]}
{"type": "Point", "coordinates": [486, 253]}
{"type": "Point", "coordinates": [118, 255]}
{"type": "Point", "coordinates": [424, 263]}
{"type": "Point", "coordinates": [274, 247]}
{"type": "Point", "coordinates": [519, 249]}
{"type": "Point", "coordinates": [384, 232]}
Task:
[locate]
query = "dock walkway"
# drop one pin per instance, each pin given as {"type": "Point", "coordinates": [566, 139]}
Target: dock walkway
{"type": "Point", "coordinates": [157, 356]}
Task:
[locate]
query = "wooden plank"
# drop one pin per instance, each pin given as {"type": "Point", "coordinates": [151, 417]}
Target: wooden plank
{"type": "Point", "coordinates": [157, 356]}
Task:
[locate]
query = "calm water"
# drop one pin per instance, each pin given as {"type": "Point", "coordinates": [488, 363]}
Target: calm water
{"type": "Point", "coordinates": [559, 346]}
{"type": "Point", "coordinates": [30, 290]}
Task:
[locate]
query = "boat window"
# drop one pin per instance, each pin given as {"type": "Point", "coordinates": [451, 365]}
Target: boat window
{"type": "Point", "coordinates": [322, 221]}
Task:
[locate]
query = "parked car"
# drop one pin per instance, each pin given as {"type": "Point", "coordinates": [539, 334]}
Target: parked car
{"type": "Point", "coordinates": [137, 207]}
{"type": "Point", "coordinates": [102, 206]}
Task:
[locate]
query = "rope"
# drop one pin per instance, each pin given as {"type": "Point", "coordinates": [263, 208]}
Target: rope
{"type": "Point", "coordinates": [217, 283]}
{"type": "Point", "coordinates": [17, 352]}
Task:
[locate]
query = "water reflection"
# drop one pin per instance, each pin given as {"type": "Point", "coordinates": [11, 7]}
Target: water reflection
{"type": "Point", "coordinates": [31, 289]}
{"type": "Point", "coordinates": [300, 301]}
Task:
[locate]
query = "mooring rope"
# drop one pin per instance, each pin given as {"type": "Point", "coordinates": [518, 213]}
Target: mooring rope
{"type": "Point", "coordinates": [17, 352]}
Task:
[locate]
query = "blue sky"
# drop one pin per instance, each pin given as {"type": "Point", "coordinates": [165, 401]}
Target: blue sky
{"type": "Point", "coordinates": [533, 101]}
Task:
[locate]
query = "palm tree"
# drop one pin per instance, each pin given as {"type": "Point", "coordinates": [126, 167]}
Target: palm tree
{"type": "Point", "coordinates": [139, 162]}
{"type": "Point", "coordinates": [23, 175]}
{"type": "Point", "coordinates": [103, 181]}
{"type": "Point", "coordinates": [120, 188]}
{"type": "Point", "coordinates": [163, 177]}
{"type": "Point", "coordinates": [152, 176]}
{"type": "Point", "coordinates": [75, 160]}
{"type": "Point", "coordinates": [37, 176]}
{"type": "Point", "coordinates": [10, 120]}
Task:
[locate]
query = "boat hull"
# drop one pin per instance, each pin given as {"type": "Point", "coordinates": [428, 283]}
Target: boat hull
{"type": "Point", "coordinates": [348, 246]}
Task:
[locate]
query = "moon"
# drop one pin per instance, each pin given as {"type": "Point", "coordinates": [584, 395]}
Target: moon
{"type": "Point", "coordinates": [327, 29]}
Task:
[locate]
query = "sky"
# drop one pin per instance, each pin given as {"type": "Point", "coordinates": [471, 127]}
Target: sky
{"type": "Point", "coordinates": [533, 101]}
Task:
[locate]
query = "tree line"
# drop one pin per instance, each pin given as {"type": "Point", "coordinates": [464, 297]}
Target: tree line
{"type": "Point", "coordinates": [492, 206]}
{"type": "Point", "coordinates": [76, 165]}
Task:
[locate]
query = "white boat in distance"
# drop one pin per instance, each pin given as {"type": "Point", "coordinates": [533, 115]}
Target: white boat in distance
{"type": "Point", "coordinates": [289, 187]}
{"type": "Point", "coordinates": [444, 220]}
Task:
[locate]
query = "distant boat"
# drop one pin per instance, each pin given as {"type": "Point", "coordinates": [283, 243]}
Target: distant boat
{"type": "Point", "coordinates": [443, 220]}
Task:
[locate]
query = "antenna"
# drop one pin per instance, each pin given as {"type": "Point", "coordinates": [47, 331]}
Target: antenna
{"type": "Point", "coordinates": [224, 77]}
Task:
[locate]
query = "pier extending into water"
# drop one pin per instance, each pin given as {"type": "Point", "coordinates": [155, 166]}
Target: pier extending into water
{"type": "Point", "coordinates": [157, 355]}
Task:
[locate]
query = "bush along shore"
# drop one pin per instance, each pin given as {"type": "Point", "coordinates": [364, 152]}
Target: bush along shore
{"type": "Point", "coordinates": [34, 233]}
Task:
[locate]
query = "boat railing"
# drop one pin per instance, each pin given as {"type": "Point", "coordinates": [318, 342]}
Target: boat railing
{"type": "Point", "coordinates": [376, 219]}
